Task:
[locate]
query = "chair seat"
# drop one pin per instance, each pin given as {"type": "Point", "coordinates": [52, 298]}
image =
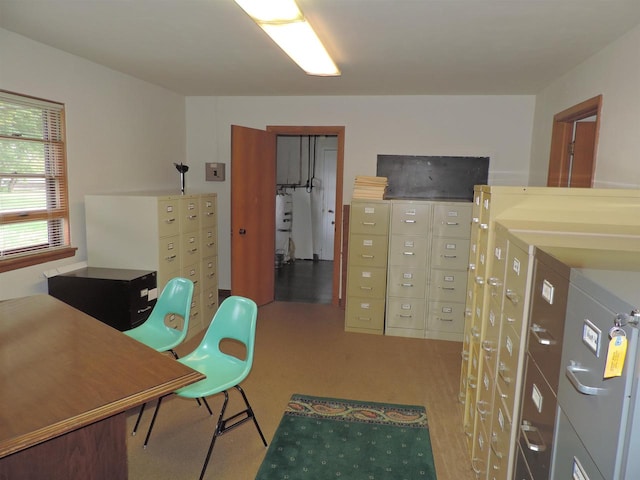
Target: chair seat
{"type": "Point", "coordinates": [222, 372]}
{"type": "Point", "coordinates": [159, 337]}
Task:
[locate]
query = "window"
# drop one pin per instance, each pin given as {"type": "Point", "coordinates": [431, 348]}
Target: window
{"type": "Point", "coordinates": [34, 210]}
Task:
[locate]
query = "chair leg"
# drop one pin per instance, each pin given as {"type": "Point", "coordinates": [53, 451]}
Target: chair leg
{"type": "Point", "coordinates": [251, 414]}
{"type": "Point", "coordinates": [221, 425]}
{"type": "Point", "coordinates": [175, 355]}
{"type": "Point", "coordinates": [135, 427]}
{"type": "Point", "coordinates": [153, 421]}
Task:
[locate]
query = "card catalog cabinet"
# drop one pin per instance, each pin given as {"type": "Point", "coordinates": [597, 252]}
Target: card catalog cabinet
{"type": "Point", "coordinates": [174, 234]}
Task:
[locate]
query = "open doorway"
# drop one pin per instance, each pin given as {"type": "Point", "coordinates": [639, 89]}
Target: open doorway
{"type": "Point", "coordinates": [305, 217]}
{"type": "Point", "coordinates": [308, 233]}
{"type": "Point", "coordinates": [574, 141]}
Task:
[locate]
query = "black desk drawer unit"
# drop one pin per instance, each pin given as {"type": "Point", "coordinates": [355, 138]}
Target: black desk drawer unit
{"type": "Point", "coordinates": [120, 298]}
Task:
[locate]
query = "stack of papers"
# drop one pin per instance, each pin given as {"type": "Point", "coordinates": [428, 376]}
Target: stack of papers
{"type": "Point", "coordinates": [371, 188]}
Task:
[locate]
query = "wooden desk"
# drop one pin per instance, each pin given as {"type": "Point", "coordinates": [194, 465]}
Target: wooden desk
{"type": "Point", "coordinates": [66, 380]}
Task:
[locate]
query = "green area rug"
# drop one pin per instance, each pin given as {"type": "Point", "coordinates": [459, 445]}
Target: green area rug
{"type": "Point", "coordinates": [327, 438]}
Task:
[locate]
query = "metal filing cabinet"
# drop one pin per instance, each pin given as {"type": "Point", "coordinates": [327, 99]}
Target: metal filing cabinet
{"type": "Point", "coordinates": [408, 268]}
{"type": "Point", "coordinates": [367, 266]}
{"type": "Point", "coordinates": [121, 298]}
{"type": "Point", "coordinates": [428, 257]}
{"type": "Point", "coordinates": [173, 234]}
{"type": "Point", "coordinates": [566, 211]}
{"type": "Point", "coordinates": [598, 429]}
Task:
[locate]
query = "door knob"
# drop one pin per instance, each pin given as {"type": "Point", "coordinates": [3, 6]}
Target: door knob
{"type": "Point", "coordinates": [242, 231]}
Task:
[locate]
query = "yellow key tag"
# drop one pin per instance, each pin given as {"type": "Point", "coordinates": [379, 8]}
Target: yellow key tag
{"type": "Point", "coordinates": [616, 355]}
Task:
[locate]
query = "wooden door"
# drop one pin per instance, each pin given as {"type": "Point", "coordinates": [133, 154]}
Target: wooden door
{"type": "Point", "coordinates": [574, 145]}
{"type": "Point", "coordinates": [584, 138]}
{"type": "Point", "coordinates": [253, 207]}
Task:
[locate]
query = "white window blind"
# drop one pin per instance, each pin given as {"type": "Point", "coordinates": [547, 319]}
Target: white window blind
{"type": "Point", "coordinates": [34, 211]}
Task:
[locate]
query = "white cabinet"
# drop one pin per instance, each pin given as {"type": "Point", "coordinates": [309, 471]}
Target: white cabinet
{"type": "Point", "coordinates": [173, 234]}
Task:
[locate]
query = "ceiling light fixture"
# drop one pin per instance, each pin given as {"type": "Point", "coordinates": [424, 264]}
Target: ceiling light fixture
{"type": "Point", "coordinates": [283, 21]}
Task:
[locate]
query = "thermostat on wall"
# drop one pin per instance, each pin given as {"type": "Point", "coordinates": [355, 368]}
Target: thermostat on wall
{"type": "Point", "coordinates": [214, 172]}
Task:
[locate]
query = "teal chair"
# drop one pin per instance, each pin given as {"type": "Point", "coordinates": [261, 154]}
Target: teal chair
{"type": "Point", "coordinates": [175, 299]}
{"type": "Point", "coordinates": [235, 319]}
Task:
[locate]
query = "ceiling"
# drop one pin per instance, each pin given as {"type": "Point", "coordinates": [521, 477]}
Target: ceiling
{"type": "Point", "coordinates": [383, 47]}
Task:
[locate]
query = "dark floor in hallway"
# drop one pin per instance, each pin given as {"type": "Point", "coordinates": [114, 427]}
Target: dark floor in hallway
{"type": "Point", "coordinates": [304, 281]}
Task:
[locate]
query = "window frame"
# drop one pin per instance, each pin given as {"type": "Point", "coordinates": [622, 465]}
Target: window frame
{"type": "Point", "coordinates": [35, 254]}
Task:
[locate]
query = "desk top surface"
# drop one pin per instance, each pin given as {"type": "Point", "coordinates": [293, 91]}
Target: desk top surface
{"type": "Point", "coordinates": [61, 369]}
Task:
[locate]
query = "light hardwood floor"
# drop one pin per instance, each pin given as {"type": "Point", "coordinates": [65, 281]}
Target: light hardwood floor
{"type": "Point", "coordinates": [302, 348]}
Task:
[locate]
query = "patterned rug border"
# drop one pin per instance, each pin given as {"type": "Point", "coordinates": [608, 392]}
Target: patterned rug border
{"type": "Point", "coordinates": [345, 410]}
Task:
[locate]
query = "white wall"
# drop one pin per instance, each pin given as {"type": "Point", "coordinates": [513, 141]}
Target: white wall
{"type": "Point", "coordinates": [496, 126]}
{"type": "Point", "coordinates": [122, 134]}
{"type": "Point", "coordinates": [613, 72]}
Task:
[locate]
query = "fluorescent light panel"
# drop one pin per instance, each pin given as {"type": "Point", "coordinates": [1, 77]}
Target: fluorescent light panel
{"type": "Point", "coordinates": [285, 24]}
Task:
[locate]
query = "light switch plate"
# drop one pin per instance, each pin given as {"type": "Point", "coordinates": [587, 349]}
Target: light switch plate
{"type": "Point", "coordinates": [214, 172]}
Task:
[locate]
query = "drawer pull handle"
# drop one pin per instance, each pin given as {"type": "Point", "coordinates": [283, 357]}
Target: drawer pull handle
{"type": "Point", "coordinates": [477, 470]}
{"type": "Point", "coordinates": [511, 320]}
{"type": "Point", "coordinates": [482, 408]}
{"type": "Point", "coordinates": [408, 253]}
{"type": "Point", "coordinates": [369, 224]}
{"type": "Point", "coordinates": [461, 397]}
{"type": "Point", "coordinates": [472, 266]}
{"type": "Point", "coordinates": [487, 346]}
{"type": "Point", "coordinates": [362, 287]}
{"type": "Point", "coordinates": [475, 332]}
{"type": "Point", "coordinates": [211, 244]}
{"type": "Point", "coordinates": [450, 256]}
{"type": "Point", "coordinates": [444, 319]}
{"type": "Point", "coordinates": [448, 288]}
{"type": "Point", "coordinates": [366, 256]}
{"type": "Point", "coordinates": [539, 333]}
{"type": "Point", "coordinates": [364, 319]}
{"type": "Point", "coordinates": [480, 280]}
{"type": "Point", "coordinates": [577, 384]}
{"type": "Point", "coordinates": [170, 220]}
{"type": "Point", "coordinates": [211, 275]}
{"type": "Point", "coordinates": [465, 355]}
{"type": "Point", "coordinates": [192, 217]}
{"type": "Point", "coordinates": [404, 315]}
{"type": "Point", "coordinates": [502, 372]}
{"type": "Point", "coordinates": [471, 381]}
{"type": "Point", "coordinates": [209, 214]}
{"type": "Point", "coordinates": [409, 221]}
{"type": "Point", "coordinates": [526, 428]}
{"type": "Point", "coordinates": [142, 310]}
{"type": "Point", "coordinates": [494, 282]}
{"type": "Point", "coordinates": [452, 224]}
{"type": "Point", "coordinates": [494, 446]}
{"type": "Point", "coordinates": [193, 250]}
{"type": "Point", "coordinates": [170, 258]}
{"type": "Point", "coordinates": [406, 284]}
{"type": "Point", "coordinates": [513, 296]}
{"type": "Point", "coordinates": [475, 220]}
{"type": "Point", "coordinates": [484, 226]}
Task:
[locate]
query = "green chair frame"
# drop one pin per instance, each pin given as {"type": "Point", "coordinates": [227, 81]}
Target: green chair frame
{"type": "Point", "coordinates": [236, 319]}
{"type": "Point", "coordinates": [175, 299]}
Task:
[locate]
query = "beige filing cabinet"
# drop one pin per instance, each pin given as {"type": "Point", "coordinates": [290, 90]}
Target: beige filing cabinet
{"type": "Point", "coordinates": [173, 234]}
{"type": "Point", "coordinates": [428, 257]}
{"type": "Point", "coordinates": [557, 216]}
{"type": "Point", "coordinates": [367, 266]}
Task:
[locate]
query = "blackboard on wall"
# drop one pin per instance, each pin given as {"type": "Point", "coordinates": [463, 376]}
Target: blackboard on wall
{"type": "Point", "coordinates": [431, 177]}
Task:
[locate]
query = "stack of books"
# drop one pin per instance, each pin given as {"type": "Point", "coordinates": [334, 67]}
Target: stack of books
{"type": "Point", "coordinates": [370, 188]}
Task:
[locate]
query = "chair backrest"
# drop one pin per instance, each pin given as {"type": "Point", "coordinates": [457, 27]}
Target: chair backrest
{"type": "Point", "coordinates": [235, 319]}
{"type": "Point", "coordinates": [175, 298]}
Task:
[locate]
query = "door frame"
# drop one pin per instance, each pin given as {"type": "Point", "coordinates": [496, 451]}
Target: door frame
{"type": "Point", "coordinates": [561, 136]}
{"type": "Point", "coordinates": [337, 131]}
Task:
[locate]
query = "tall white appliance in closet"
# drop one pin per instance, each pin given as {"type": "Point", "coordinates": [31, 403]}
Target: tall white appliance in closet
{"type": "Point", "coordinates": [598, 421]}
